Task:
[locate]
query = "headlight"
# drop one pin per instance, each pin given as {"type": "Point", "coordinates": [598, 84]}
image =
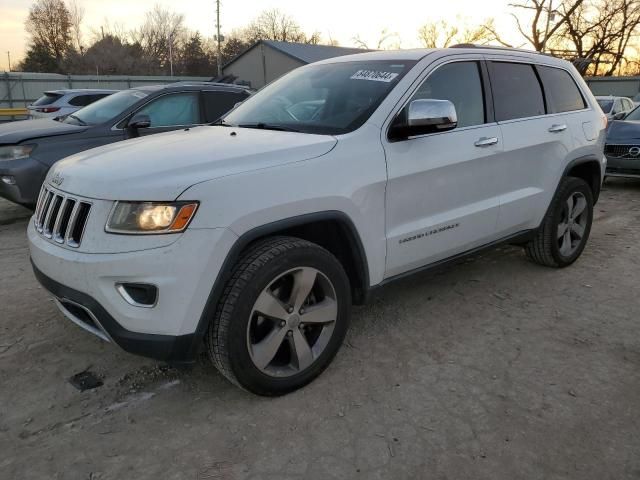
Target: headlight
{"type": "Point", "coordinates": [150, 217]}
{"type": "Point", "coordinates": [15, 152]}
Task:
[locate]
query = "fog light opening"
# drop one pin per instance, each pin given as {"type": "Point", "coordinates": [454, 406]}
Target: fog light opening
{"type": "Point", "coordinates": [142, 295]}
{"type": "Point", "coordinates": [8, 180]}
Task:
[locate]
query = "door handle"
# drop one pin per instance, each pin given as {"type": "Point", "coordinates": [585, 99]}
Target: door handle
{"type": "Point", "coordinates": [557, 128]}
{"type": "Point", "coordinates": [486, 141]}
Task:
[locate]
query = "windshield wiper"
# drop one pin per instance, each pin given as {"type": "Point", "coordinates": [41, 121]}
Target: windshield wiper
{"type": "Point", "coordinates": [79, 120]}
{"type": "Point", "coordinates": [221, 123]}
{"type": "Point", "coordinates": [268, 126]}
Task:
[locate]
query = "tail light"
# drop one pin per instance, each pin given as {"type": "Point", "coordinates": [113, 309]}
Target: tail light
{"type": "Point", "coordinates": [48, 109]}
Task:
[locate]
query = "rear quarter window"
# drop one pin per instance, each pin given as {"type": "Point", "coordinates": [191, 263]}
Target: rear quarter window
{"type": "Point", "coordinates": [47, 99]}
{"type": "Point", "coordinates": [217, 103]}
{"type": "Point", "coordinates": [81, 100]}
{"type": "Point", "coordinates": [563, 95]}
{"type": "Point", "coordinates": [516, 91]}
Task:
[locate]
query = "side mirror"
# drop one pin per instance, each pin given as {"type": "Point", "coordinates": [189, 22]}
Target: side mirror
{"type": "Point", "coordinates": [619, 115]}
{"type": "Point", "coordinates": [424, 116]}
{"type": "Point", "coordinates": [138, 121]}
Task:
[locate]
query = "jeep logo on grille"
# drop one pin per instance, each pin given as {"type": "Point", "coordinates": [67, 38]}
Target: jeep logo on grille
{"type": "Point", "coordinates": [58, 179]}
{"type": "Point", "coordinates": [634, 151]}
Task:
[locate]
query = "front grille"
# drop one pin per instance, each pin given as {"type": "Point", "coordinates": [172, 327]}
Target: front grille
{"type": "Point", "coordinates": [622, 151]}
{"type": "Point", "coordinates": [60, 217]}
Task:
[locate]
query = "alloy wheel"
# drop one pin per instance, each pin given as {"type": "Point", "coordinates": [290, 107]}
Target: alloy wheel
{"type": "Point", "coordinates": [292, 322]}
{"type": "Point", "coordinates": [573, 223]}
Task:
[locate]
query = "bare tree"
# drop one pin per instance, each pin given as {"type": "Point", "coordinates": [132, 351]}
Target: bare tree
{"type": "Point", "coordinates": [538, 28]}
{"type": "Point", "coordinates": [599, 33]}
{"type": "Point", "coordinates": [382, 43]}
{"type": "Point", "coordinates": [274, 25]}
{"type": "Point", "coordinates": [443, 34]}
{"type": "Point", "coordinates": [76, 15]}
{"type": "Point", "coordinates": [49, 25]}
{"type": "Point", "coordinates": [161, 33]}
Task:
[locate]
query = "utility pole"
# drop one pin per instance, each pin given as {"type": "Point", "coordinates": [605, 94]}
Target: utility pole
{"type": "Point", "coordinates": [9, 59]}
{"type": "Point", "coordinates": [171, 53]}
{"type": "Point", "coordinates": [218, 39]}
{"type": "Point", "coordinates": [546, 31]}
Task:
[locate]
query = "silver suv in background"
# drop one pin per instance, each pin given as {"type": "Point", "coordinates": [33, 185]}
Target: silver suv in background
{"type": "Point", "coordinates": [615, 108]}
{"type": "Point", "coordinates": [60, 103]}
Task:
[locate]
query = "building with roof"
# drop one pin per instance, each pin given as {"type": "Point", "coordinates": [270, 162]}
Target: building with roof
{"type": "Point", "coordinates": [267, 60]}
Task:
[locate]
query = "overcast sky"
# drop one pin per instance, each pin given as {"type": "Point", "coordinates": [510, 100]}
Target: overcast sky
{"type": "Point", "coordinates": [338, 19]}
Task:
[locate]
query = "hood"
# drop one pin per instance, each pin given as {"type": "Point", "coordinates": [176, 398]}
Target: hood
{"type": "Point", "coordinates": [621, 131]}
{"type": "Point", "coordinates": [17, 132]}
{"type": "Point", "coordinates": [162, 166]}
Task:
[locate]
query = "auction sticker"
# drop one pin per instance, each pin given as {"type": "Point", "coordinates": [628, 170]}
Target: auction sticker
{"type": "Point", "coordinates": [374, 75]}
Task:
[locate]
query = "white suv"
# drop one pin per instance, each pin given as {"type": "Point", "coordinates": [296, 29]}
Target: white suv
{"type": "Point", "coordinates": [60, 103]}
{"type": "Point", "coordinates": [258, 234]}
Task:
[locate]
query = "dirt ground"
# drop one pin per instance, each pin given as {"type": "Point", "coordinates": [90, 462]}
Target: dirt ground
{"type": "Point", "coordinates": [493, 369]}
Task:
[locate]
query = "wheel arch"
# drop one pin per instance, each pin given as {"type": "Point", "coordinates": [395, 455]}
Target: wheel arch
{"type": "Point", "coordinates": [329, 229]}
{"type": "Point", "coordinates": [588, 169]}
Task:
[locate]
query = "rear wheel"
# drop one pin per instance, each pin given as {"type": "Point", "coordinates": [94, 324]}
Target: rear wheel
{"type": "Point", "coordinates": [566, 226]}
{"type": "Point", "coordinates": [282, 318]}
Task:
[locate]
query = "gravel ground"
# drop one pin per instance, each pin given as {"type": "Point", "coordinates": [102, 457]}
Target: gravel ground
{"type": "Point", "coordinates": [493, 369]}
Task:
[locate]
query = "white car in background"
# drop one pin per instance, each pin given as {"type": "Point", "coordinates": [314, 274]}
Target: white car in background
{"type": "Point", "coordinates": [615, 108]}
{"type": "Point", "coordinates": [60, 103]}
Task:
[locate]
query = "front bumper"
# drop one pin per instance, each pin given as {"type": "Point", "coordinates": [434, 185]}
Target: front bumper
{"type": "Point", "coordinates": [84, 285]}
{"type": "Point", "coordinates": [623, 167]}
{"type": "Point", "coordinates": [93, 317]}
{"type": "Point", "coordinates": [28, 174]}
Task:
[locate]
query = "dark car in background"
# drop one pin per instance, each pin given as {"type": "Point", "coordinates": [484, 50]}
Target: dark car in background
{"type": "Point", "coordinates": [622, 146]}
{"type": "Point", "coordinates": [28, 149]}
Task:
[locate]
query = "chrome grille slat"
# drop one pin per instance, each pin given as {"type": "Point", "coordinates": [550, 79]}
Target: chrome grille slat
{"type": "Point", "coordinates": [62, 223]}
{"type": "Point", "coordinates": [43, 192]}
{"type": "Point", "coordinates": [52, 215]}
{"type": "Point", "coordinates": [72, 222]}
{"type": "Point", "coordinates": [44, 215]}
{"type": "Point", "coordinates": [61, 217]}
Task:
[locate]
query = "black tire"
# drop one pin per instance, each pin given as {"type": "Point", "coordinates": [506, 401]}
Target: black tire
{"type": "Point", "coordinates": [226, 339]}
{"type": "Point", "coordinates": [544, 249]}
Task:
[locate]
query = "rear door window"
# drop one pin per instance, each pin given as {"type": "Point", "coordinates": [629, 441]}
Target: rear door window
{"type": "Point", "coordinates": [172, 110]}
{"type": "Point", "coordinates": [561, 90]}
{"type": "Point", "coordinates": [47, 99]}
{"type": "Point", "coordinates": [516, 91]}
{"type": "Point", "coordinates": [217, 104]}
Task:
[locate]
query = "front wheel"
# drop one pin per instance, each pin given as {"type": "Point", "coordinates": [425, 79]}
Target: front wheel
{"type": "Point", "coordinates": [566, 226]}
{"type": "Point", "coordinates": [282, 318]}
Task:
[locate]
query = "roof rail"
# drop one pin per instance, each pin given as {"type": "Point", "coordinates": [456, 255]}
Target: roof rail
{"type": "Point", "coordinates": [500, 48]}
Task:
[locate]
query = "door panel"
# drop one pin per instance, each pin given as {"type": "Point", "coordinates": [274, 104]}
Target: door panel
{"type": "Point", "coordinates": [531, 103]}
{"type": "Point", "coordinates": [534, 150]}
{"type": "Point", "coordinates": [442, 196]}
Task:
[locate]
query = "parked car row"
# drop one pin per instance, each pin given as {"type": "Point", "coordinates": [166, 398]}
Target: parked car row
{"type": "Point", "coordinates": [29, 149]}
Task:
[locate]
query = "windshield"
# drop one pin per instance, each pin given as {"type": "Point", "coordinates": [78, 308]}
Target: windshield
{"type": "Point", "coordinates": [605, 105]}
{"type": "Point", "coordinates": [327, 99]}
{"type": "Point", "coordinates": [634, 115]}
{"type": "Point", "coordinates": [105, 109]}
